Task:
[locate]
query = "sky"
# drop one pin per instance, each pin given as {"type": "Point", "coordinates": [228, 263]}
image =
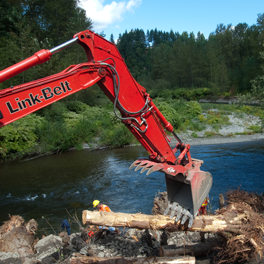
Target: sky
{"type": "Point", "coordinates": [115, 17]}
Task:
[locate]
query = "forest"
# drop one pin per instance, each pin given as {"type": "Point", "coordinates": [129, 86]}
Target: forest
{"type": "Point", "coordinates": [176, 68]}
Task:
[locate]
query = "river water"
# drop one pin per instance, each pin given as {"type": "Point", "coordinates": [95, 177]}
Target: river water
{"type": "Point", "coordinates": [46, 188]}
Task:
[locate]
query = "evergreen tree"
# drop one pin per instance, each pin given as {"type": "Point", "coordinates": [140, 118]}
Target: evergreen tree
{"type": "Point", "coordinates": [55, 20]}
{"type": "Point", "coordinates": [112, 38]}
{"type": "Point", "coordinates": [133, 47]}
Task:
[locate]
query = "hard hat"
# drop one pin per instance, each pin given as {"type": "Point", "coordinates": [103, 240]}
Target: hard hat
{"type": "Point", "coordinates": [95, 202]}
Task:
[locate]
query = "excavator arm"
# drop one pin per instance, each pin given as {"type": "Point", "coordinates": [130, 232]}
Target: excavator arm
{"type": "Point", "coordinates": [187, 185]}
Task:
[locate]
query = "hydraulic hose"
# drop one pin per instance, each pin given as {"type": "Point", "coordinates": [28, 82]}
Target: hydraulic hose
{"type": "Point", "coordinates": [116, 82]}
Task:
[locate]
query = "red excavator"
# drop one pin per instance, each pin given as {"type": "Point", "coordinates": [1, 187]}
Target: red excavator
{"type": "Point", "coordinates": [187, 185]}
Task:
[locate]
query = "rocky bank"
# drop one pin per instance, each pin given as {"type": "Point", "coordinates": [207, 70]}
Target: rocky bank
{"type": "Point", "coordinates": [19, 245]}
{"type": "Point", "coordinates": [63, 247]}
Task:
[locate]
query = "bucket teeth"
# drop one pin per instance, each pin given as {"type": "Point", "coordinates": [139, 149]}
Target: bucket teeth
{"type": "Point", "coordinates": [184, 218]}
{"type": "Point", "coordinates": [138, 167]}
{"type": "Point", "coordinates": [134, 164]}
{"type": "Point", "coordinates": [190, 222]}
{"type": "Point", "coordinates": [154, 168]}
{"type": "Point", "coordinates": [141, 165]}
{"type": "Point", "coordinates": [173, 209]}
{"type": "Point", "coordinates": [145, 169]}
{"type": "Point", "coordinates": [167, 209]}
{"type": "Point", "coordinates": [146, 166]}
{"type": "Point", "coordinates": [179, 213]}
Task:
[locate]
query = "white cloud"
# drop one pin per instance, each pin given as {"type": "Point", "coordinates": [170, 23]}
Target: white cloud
{"type": "Point", "coordinates": [105, 15]}
{"type": "Point", "coordinates": [133, 4]}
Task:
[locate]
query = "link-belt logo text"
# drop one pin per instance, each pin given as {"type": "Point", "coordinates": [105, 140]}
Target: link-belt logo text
{"type": "Point", "coordinates": [46, 94]}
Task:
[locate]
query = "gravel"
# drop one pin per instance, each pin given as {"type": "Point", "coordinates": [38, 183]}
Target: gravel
{"type": "Point", "coordinates": [227, 133]}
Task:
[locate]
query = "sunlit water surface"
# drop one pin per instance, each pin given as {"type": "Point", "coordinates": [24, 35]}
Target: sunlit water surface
{"type": "Point", "coordinates": [52, 186]}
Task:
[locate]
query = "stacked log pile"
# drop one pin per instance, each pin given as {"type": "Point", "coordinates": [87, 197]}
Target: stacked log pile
{"type": "Point", "coordinates": [240, 224]}
{"type": "Point", "coordinates": [235, 233]}
{"type": "Point", "coordinates": [242, 229]}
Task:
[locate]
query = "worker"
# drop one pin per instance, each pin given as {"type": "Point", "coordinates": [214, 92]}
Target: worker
{"type": "Point", "coordinates": [202, 210]}
{"type": "Point", "coordinates": [105, 208]}
{"type": "Point", "coordinates": [101, 207]}
{"type": "Point", "coordinates": [66, 225]}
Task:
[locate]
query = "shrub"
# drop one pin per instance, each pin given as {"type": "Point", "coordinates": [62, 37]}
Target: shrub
{"type": "Point", "coordinates": [256, 93]}
{"type": "Point", "coordinates": [191, 94]}
{"type": "Point", "coordinates": [158, 87]}
{"type": "Point", "coordinates": [209, 133]}
{"type": "Point", "coordinates": [216, 118]}
{"type": "Point", "coordinates": [196, 125]}
{"type": "Point", "coordinates": [169, 113]}
{"type": "Point", "coordinates": [180, 93]}
{"type": "Point", "coordinates": [166, 93]}
{"type": "Point", "coordinates": [201, 118]}
{"type": "Point", "coordinates": [193, 108]}
{"type": "Point", "coordinates": [54, 112]}
{"type": "Point", "coordinates": [116, 136]}
{"type": "Point", "coordinates": [194, 135]}
{"type": "Point", "coordinates": [71, 119]}
{"type": "Point", "coordinates": [213, 119]}
{"type": "Point", "coordinates": [55, 136]}
{"type": "Point", "coordinates": [76, 106]}
{"type": "Point", "coordinates": [187, 110]}
{"type": "Point", "coordinates": [255, 129]}
{"type": "Point", "coordinates": [19, 136]}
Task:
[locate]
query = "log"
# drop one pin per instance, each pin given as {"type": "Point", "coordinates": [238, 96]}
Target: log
{"type": "Point", "coordinates": [81, 259]}
{"type": "Point", "coordinates": [204, 223]}
{"type": "Point", "coordinates": [196, 250]}
{"type": "Point", "coordinates": [17, 237]}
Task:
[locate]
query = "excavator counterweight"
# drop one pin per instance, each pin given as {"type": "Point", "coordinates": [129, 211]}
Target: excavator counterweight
{"type": "Point", "coordinates": [187, 185]}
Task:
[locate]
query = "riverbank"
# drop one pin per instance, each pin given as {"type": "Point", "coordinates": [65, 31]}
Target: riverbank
{"type": "Point", "coordinates": [239, 128]}
{"type": "Point", "coordinates": [19, 244]}
{"type": "Point", "coordinates": [219, 139]}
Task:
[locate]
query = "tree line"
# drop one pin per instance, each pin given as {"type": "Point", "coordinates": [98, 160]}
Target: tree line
{"type": "Point", "coordinates": [225, 62]}
{"type": "Point", "coordinates": [28, 26]}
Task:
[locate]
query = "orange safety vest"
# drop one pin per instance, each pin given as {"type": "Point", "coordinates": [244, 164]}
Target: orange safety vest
{"type": "Point", "coordinates": [205, 203]}
{"type": "Point", "coordinates": [103, 207]}
{"type": "Point", "coordinates": [202, 210]}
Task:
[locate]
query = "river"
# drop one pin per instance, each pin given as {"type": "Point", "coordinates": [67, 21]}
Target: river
{"type": "Point", "coordinates": [46, 188]}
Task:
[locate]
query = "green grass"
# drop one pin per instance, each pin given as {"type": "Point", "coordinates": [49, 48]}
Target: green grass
{"type": "Point", "coordinates": [194, 135]}
{"type": "Point", "coordinates": [255, 129]}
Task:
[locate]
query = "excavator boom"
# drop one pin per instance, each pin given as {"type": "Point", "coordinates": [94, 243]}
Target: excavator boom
{"type": "Point", "coordinates": [187, 185]}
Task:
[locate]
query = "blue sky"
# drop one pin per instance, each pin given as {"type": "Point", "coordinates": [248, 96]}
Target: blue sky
{"type": "Point", "coordinates": [179, 15]}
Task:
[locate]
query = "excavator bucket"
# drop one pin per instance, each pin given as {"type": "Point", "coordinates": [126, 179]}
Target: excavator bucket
{"type": "Point", "coordinates": [187, 186]}
{"type": "Point", "coordinates": [189, 192]}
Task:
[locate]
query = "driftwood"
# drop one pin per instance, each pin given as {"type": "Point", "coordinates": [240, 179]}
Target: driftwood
{"type": "Point", "coordinates": [81, 259]}
{"type": "Point", "coordinates": [244, 210]}
{"type": "Point", "coordinates": [221, 201]}
{"type": "Point", "coordinates": [18, 237]}
{"type": "Point", "coordinates": [240, 225]}
{"type": "Point", "coordinates": [201, 249]}
{"type": "Point", "coordinates": [205, 223]}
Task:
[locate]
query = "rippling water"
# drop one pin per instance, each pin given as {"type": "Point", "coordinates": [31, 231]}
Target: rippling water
{"type": "Point", "coordinates": [48, 186]}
